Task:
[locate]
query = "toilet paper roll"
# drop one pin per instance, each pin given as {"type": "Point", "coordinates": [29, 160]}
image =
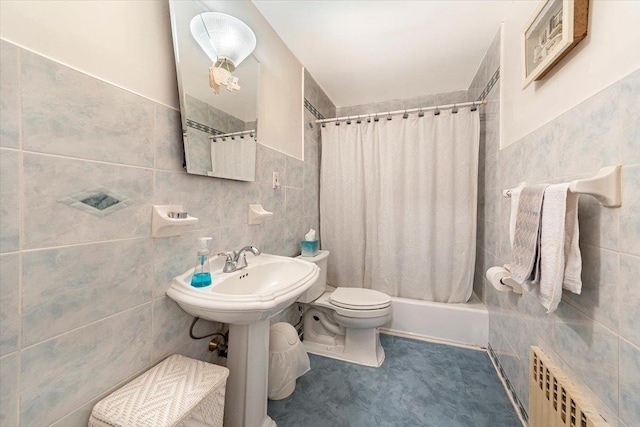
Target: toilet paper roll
{"type": "Point", "coordinates": [502, 281]}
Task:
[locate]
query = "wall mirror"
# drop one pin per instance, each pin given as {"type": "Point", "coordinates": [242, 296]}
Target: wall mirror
{"type": "Point", "coordinates": [219, 130]}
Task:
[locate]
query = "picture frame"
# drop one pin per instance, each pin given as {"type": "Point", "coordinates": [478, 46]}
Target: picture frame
{"type": "Point", "coordinates": [555, 28]}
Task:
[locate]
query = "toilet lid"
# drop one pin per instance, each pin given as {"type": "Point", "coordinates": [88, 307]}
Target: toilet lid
{"type": "Point", "coordinates": [359, 299]}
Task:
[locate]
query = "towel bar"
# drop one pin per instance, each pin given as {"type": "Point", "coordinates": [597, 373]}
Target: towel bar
{"type": "Point", "coordinates": [604, 186]}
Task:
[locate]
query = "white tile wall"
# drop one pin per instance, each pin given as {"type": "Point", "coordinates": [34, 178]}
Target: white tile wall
{"type": "Point", "coordinates": [593, 336]}
{"type": "Point", "coordinates": [82, 294]}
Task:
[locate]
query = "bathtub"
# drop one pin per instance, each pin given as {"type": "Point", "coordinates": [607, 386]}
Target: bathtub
{"type": "Point", "coordinates": [460, 324]}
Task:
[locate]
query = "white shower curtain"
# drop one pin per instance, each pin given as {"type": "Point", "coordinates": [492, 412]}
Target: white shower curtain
{"type": "Point", "coordinates": [398, 204]}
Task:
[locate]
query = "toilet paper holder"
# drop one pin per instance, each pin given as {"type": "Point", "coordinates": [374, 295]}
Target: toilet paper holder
{"type": "Point", "coordinates": [500, 279]}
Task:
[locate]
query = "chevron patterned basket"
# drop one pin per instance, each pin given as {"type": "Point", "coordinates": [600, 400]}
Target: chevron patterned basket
{"type": "Point", "coordinates": [178, 392]}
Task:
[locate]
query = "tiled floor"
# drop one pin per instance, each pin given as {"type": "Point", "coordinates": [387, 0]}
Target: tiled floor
{"type": "Point", "coordinates": [419, 384]}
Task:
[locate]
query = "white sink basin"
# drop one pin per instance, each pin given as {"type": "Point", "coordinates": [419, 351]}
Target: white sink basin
{"type": "Point", "coordinates": [267, 286]}
{"type": "Point", "coordinates": [246, 299]}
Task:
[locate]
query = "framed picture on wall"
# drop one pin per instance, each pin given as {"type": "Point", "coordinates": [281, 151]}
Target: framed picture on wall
{"type": "Point", "coordinates": [554, 29]}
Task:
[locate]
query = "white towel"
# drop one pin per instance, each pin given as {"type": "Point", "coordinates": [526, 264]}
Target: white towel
{"type": "Point", "coordinates": [525, 252]}
{"type": "Point", "coordinates": [560, 262]}
{"type": "Point", "coordinates": [552, 245]}
{"type": "Point", "coordinates": [515, 199]}
{"type": "Point", "coordinates": [572, 257]}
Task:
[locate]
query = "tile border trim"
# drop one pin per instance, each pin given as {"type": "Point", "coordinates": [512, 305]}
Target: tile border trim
{"type": "Point", "coordinates": [204, 128]}
{"type": "Point", "coordinates": [313, 110]}
{"type": "Point", "coordinates": [520, 407]}
{"type": "Point", "coordinates": [490, 84]}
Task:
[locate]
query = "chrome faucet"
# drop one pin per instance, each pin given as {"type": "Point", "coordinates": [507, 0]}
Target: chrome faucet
{"type": "Point", "coordinates": [237, 260]}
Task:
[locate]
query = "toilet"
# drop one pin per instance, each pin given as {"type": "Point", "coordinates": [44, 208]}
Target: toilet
{"type": "Point", "coordinates": [343, 323]}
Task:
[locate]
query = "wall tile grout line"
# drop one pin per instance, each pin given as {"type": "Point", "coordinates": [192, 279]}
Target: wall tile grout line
{"type": "Point", "coordinates": [85, 325]}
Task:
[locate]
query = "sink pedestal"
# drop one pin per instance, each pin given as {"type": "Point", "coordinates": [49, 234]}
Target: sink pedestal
{"type": "Point", "coordinates": [248, 363]}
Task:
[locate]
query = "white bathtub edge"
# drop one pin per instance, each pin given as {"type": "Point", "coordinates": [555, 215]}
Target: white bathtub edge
{"type": "Point", "coordinates": [424, 338]}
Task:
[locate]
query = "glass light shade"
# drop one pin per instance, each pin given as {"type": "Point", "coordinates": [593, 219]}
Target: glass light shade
{"type": "Point", "coordinates": [223, 36]}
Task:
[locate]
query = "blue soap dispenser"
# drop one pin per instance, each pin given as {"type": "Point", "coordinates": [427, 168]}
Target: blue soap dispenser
{"type": "Point", "coordinates": [201, 273]}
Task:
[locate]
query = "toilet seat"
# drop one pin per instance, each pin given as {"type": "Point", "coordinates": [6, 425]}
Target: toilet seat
{"type": "Point", "coordinates": [359, 299]}
{"type": "Point", "coordinates": [360, 312]}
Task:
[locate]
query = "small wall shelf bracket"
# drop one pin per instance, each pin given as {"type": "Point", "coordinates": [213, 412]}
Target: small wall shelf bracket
{"type": "Point", "coordinates": [257, 214]}
{"type": "Point", "coordinates": [169, 220]}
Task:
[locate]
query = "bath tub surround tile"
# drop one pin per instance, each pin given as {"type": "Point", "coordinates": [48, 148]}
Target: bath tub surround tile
{"type": "Point", "coordinates": [197, 110]}
{"type": "Point", "coordinates": [629, 383]}
{"type": "Point", "coordinates": [583, 344]}
{"type": "Point", "coordinates": [70, 113]}
{"type": "Point", "coordinates": [629, 224]}
{"type": "Point", "coordinates": [9, 96]}
{"type": "Point", "coordinates": [311, 177]}
{"type": "Point", "coordinates": [10, 206]}
{"type": "Point", "coordinates": [325, 106]}
{"type": "Point", "coordinates": [173, 256]}
{"type": "Point", "coordinates": [169, 147]}
{"type": "Point", "coordinates": [312, 147]}
{"type": "Point", "coordinates": [311, 201]}
{"type": "Point", "coordinates": [452, 97]}
{"type": "Point", "coordinates": [49, 218]}
{"type": "Point", "coordinates": [629, 298]}
{"type": "Point", "coordinates": [9, 390]}
{"type": "Point", "coordinates": [310, 88]}
{"type": "Point", "coordinates": [106, 352]}
{"type": "Point", "coordinates": [200, 196]}
{"type": "Point", "coordinates": [600, 286]}
{"type": "Point", "coordinates": [198, 152]}
{"type": "Point", "coordinates": [9, 302]}
{"type": "Point", "coordinates": [69, 287]}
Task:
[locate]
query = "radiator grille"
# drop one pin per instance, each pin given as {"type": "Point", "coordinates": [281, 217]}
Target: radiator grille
{"type": "Point", "coordinates": [554, 401]}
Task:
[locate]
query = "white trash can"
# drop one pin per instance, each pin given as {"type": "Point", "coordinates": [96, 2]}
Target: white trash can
{"type": "Point", "coordinates": [288, 360]}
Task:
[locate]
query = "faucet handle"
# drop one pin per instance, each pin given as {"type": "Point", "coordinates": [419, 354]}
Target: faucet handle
{"type": "Point", "coordinates": [230, 263]}
{"type": "Point", "coordinates": [227, 255]}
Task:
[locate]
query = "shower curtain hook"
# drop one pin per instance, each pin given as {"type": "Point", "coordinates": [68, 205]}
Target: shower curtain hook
{"type": "Point", "coordinates": [437, 111]}
{"type": "Point", "coordinates": [369, 118]}
{"type": "Point", "coordinates": [454, 110]}
{"type": "Point", "coordinates": [388, 115]}
{"type": "Point", "coordinates": [405, 115]}
{"type": "Point", "coordinates": [420, 113]}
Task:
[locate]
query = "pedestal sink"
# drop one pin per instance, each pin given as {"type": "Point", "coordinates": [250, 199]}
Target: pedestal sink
{"type": "Point", "coordinates": [246, 299]}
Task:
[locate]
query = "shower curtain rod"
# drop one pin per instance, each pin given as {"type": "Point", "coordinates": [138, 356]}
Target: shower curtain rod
{"type": "Point", "coordinates": [410, 110]}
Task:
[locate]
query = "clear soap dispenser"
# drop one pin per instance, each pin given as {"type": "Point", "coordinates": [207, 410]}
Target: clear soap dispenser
{"type": "Point", "coordinates": [202, 273]}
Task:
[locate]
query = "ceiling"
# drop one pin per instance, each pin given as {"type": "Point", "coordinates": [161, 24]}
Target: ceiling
{"type": "Point", "coordinates": [369, 51]}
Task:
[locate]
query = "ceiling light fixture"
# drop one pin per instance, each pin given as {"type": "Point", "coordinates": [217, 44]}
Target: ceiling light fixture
{"type": "Point", "coordinates": [225, 39]}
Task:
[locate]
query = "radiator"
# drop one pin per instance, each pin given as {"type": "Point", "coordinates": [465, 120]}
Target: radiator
{"type": "Point", "coordinates": [553, 400]}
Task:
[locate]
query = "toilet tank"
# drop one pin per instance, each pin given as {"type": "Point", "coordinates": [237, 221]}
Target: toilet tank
{"type": "Point", "coordinates": [320, 286]}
